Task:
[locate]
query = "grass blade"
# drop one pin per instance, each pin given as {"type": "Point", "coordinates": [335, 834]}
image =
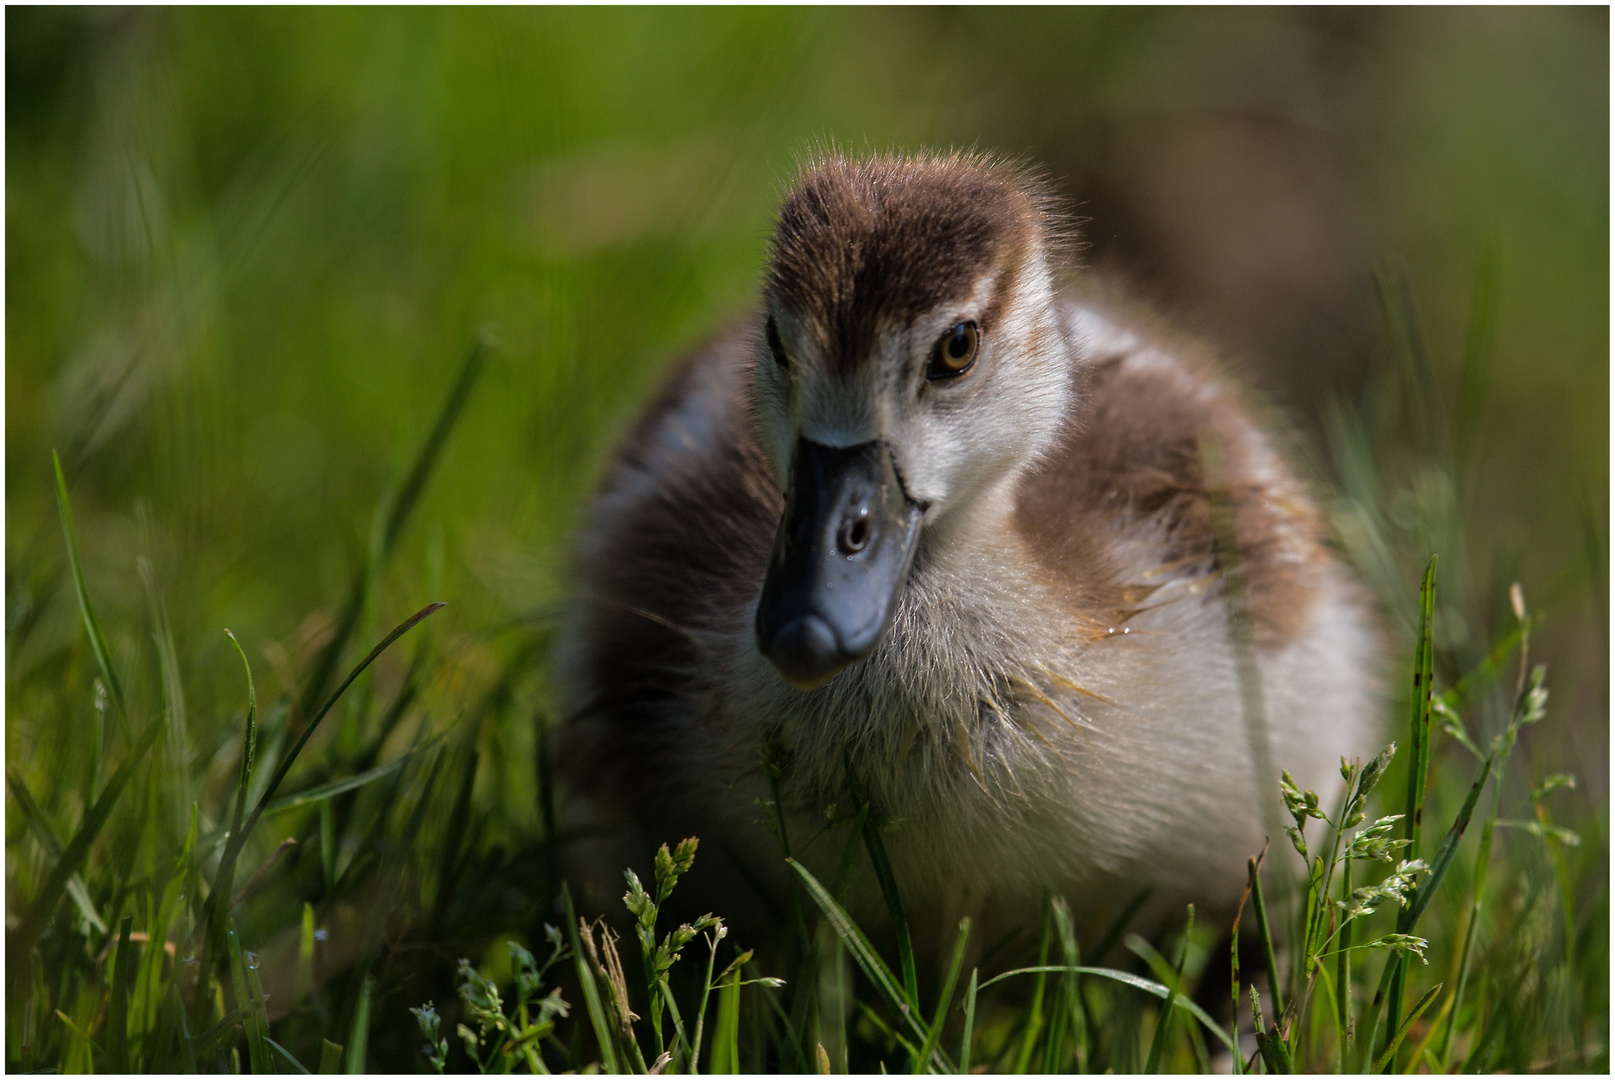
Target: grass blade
{"type": "Point", "coordinates": [1137, 982]}
{"type": "Point", "coordinates": [970, 1023]}
{"type": "Point", "coordinates": [806, 996]}
{"type": "Point", "coordinates": [330, 1058]}
{"type": "Point", "coordinates": [1419, 1006]}
{"type": "Point", "coordinates": [92, 627]}
{"type": "Point", "coordinates": [940, 1017]}
{"type": "Point", "coordinates": [591, 990]}
{"type": "Point", "coordinates": [1444, 854]}
{"type": "Point", "coordinates": [118, 1004]}
{"type": "Point", "coordinates": [888, 889]}
{"type": "Point", "coordinates": [1264, 927]}
{"type": "Point", "coordinates": [1034, 1013]}
{"type": "Point", "coordinates": [249, 745]}
{"type": "Point", "coordinates": [257, 1050]}
{"type": "Point", "coordinates": [32, 922]}
{"type": "Point", "coordinates": [1375, 1012]}
{"type": "Point", "coordinates": [1419, 755]}
{"type": "Point", "coordinates": [340, 787]}
{"type": "Point", "coordinates": [1233, 960]}
{"type": "Point", "coordinates": [1118, 927]}
{"type": "Point", "coordinates": [168, 909]}
{"type": "Point", "coordinates": [208, 1037]}
{"type": "Point", "coordinates": [359, 1031]}
{"type": "Point", "coordinates": [1419, 711]}
{"type": "Point", "coordinates": [302, 740]}
{"type": "Point", "coordinates": [287, 1054]}
{"type": "Point", "coordinates": [47, 835]}
{"type": "Point", "coordinates": [1158, 1043]}
{"type": "Point", "coordinates": [864, 953]}
{"type": "Point", "coordinates": [397, 516]}
{"type": "Point", "coordinates": [1069, 1030]}
{"type": "Point", "coordinates": [726, 1028]}
{"type": "Point", "coordinates": [78, 1032]}
{"type": "Point", "coordinates": [224, 876]}
{"type": "Point", "coordinates": [1266, 1045]}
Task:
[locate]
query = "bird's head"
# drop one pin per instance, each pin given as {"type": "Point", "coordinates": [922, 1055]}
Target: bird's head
{"type": "Point", "coordinates": [911, 361]}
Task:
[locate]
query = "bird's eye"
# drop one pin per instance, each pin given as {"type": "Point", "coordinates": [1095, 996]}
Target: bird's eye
{"type": "Point", "coordinates": [955, 351]}
{"type": "Point", "coordinates": [776, 346]}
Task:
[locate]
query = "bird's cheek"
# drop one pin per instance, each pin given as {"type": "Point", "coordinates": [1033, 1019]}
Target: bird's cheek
{"type": "Point", "coordinates": [928, 466]}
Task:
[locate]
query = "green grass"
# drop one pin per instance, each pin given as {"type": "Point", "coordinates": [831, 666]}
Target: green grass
{"type": "Point", "coordinates": [1386, 971]}
{"type": "Point", "coordinates": [251, 260]}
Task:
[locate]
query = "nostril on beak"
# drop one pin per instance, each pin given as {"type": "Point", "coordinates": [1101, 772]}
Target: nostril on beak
{"type": "Point", "coordinates": [853, 536]}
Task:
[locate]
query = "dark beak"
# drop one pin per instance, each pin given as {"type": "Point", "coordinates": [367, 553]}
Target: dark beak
{"type": "Point", "coordinates": [840, 560]}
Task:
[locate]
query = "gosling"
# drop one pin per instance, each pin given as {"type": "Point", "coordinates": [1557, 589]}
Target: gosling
{"type": "Point", "coordinates": [1020, 562]}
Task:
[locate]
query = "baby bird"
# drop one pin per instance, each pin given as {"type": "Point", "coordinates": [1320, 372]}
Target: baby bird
{"type": "Point", "coordinates": [1012, 568]}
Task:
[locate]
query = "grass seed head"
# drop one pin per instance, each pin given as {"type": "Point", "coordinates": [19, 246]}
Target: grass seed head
{"type": "Point", "coordinates": [436, 1048]}
{"type": "Point", "coordinates": [1376, 842]}
{"type": "Point", "coordinates": [1369, 898]}
{"type": "Point", "coordinates": [481, 999]}
{"type": "Point", "coordinates": [1403, 943]}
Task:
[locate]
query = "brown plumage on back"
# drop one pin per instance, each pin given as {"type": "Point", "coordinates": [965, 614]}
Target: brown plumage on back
{"type": "Point", "coordinates": [931, 519]}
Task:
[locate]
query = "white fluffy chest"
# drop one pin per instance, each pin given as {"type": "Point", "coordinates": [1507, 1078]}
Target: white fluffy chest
{"type": "Point", "coordinates": [1006, 749]}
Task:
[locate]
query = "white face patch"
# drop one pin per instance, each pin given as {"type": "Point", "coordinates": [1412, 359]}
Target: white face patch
{"type": "Point", "coordinates": [952, 437]}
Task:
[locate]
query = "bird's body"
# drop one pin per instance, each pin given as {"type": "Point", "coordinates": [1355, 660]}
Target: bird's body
{"type": "Point", "coordinates": [1052, 701]}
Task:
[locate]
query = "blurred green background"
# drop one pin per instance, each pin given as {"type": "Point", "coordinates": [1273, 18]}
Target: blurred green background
{"type": "Point", "coordinates": [247, 251]}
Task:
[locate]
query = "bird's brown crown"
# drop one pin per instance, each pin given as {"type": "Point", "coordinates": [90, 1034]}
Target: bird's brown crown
{"type": "Point", "coordinates": [879, 241]}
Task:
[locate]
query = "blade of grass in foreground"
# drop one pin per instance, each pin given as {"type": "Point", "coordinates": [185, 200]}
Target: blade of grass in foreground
{"type": "Point", "coordinates": [32, 922]}
{"type": "Point", "coordinates": [285, 1053]}
{"type": "Point", "coordinates": [1033, 1028]}
{"type": "Point", "coordinates": [92, 627]}
{"type": "Point", "coordinates": [1149, 986]}
{"type": "Point", "coordinates": [1444, 855]}
{"type": "Point", "coordinates": [1069, 1032]}
{"type": "Point", "coordinates": [1419, 711]}
{"type": "Point", "coordinates": [726, 1029]}
{"type": "Point", "coordinates": [970, 1024]}
{"type": "Point", "coordinates": [257, 1051]}
{"type": "Point", "coordinates": [35, 815]}
{"type": "Point", "coordinates": [359, 1031]}
{"type": "Point", "coordinates": [939, 1019]}
{"type": "Point", "coordinates": [223, 878]}
{"type": "Point", "coordinates": [1419, 1006]}
{"type": "Point", "coordinates": [888, 889]}
{"type": "Point", "coordinates": [869, 960]}
{"type": "Point", "coordinates": [302, 740]}
{"type": "Point", "coordinates": [1419, 751]}
{"type": "Point", "coordinates": [1158, 1043]}
{"type": "Point", "coordinates": [1265, 929]}
{"type": "Point", "coordinates": [340, 787]}
{"type": "Point", "coordinates": [397, 516]}
{"type": "Point", "coordinates": [591, 990]}
{"type": "Point", "coordinates": [118, 1002]}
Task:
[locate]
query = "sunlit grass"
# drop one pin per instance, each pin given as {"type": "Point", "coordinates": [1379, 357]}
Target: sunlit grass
{"type": "Point", "coordinates": [136, 944]}
{"type": "Point", "coordinates": [250, 263]}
